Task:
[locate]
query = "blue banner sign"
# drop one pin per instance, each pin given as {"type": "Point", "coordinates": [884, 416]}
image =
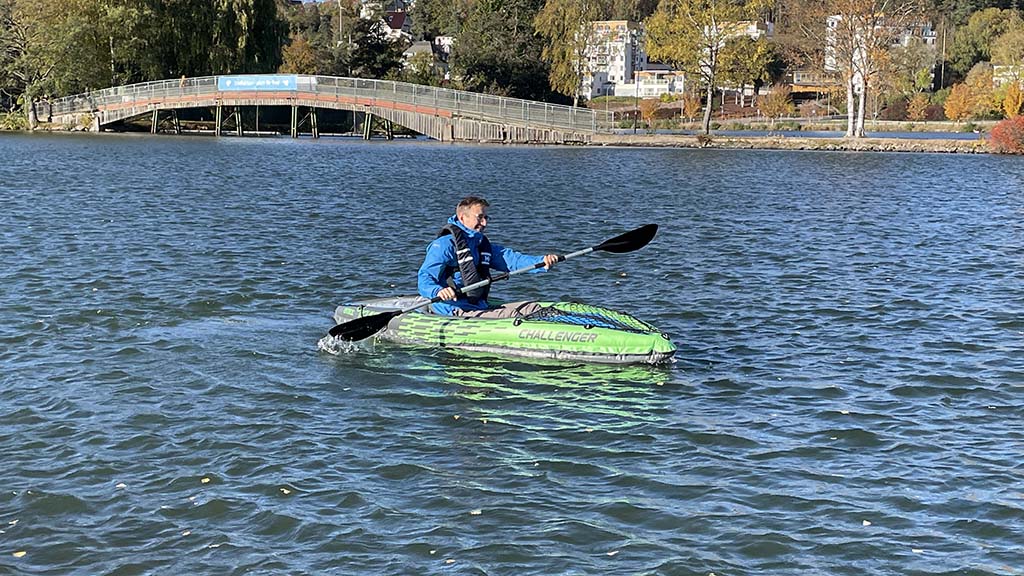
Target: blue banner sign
{"type": "Point", "coordinates": [257, 82]}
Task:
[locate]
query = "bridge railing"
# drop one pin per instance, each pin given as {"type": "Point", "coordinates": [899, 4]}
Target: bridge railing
{"type": "Point", "coordinates": [457, 102]}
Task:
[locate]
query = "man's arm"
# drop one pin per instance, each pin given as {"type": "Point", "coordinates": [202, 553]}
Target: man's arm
{"type": "Point", "coordinates": [439, 253]}
{"type": "Point", "coordinates": [506, 259]}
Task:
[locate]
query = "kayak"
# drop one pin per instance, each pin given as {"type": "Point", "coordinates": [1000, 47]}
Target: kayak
{"type": "Point", "coordinates": [558, 330]}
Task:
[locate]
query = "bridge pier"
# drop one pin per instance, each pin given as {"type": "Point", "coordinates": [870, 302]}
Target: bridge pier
{"type": "Point", "coordinates": [384, 124]}
{"type": "Point", "coordinates": [314, 126]}
{"type": "Point", "coordinates": [155, 121]}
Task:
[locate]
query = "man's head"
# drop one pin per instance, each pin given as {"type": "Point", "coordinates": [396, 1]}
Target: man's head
{"type": "Point", "coordinates": [472, 213]}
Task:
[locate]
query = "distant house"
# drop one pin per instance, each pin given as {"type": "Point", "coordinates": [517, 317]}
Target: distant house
{"type": "Point", "coordinates": [399, 25]}
{"type": "Point", "coordinates": [1007, 74]}
{"type": "Point", "coordinates": [420, 47]}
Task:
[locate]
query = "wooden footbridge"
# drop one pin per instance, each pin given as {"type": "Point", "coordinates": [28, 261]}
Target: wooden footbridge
{"type": "Point", "coordinates": [442, 114]}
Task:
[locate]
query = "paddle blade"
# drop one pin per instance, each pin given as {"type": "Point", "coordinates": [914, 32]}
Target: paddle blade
{"type": "Point", "coordinates": [630, 241]}
{"type": "Point", "coordinates": [364, 327]}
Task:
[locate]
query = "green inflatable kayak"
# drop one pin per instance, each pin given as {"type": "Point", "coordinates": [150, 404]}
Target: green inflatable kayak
{"type": "Point", "coordinates": [559, 330]}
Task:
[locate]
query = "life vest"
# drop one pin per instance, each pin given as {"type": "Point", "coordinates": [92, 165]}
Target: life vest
{"type": "Point", "coordinates": [472, 271]}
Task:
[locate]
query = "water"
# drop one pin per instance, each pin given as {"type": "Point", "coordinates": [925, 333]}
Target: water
{"type": "Point", "coordinates": [846, 398]}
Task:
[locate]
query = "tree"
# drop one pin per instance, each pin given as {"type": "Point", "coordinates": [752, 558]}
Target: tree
{"type": "Point", "coordinates": [498, 51]}
{"type": "Point", "coordinates": [959, 103]}
{"type": "Point", "coordinates": [421, 70]}
{"type": "Point", "coordinates": [691, 105]}
{"type": "Point", "coordinates": [973, 43]}
{"type": "Point", "coordinates": [300, 58]}
{"type": "Point", "coordinates": [373, 54]}
{"type": "Point", "coordinates": [857, 35]}
{"type": "Point", "coordinates": [979, 84]}
{"type": "Point", "coordinates": [690, 34]}
{"type": "Point", "coordinates": [1008, 50]}
{"type": "Point", "coordinates": [648, 107]}
{"type": "Point", "coordinates": [917, 109]}
{"type": "Point", "coordinates": [1013, 100]}
{"type": "Point", "coordinates": [566, 28]}
{"type": "Point", "coordinates": [204, 37]}
{"type": "Point", "coordinates": [748, 62]}
{"type": "Point", "coordinates": [433, 18]}
{"type": "Point", "coordinates": [777, 103]}
{"type": "Point", "coordinates": [1008, 136]}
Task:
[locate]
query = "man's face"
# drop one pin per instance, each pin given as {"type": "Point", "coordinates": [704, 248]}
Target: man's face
{"type": "Point", "coordinates": [474, 217]}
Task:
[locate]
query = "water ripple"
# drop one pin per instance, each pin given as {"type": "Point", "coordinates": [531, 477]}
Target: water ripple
{"type": "Point", "coordinates": [845, 400]}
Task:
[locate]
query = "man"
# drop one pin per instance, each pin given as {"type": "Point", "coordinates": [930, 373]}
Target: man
{"type": "Point", "coordinates": [461, 255]}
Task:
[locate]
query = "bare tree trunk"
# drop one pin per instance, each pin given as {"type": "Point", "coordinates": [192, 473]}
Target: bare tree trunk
{"type": "Point", "coordinates": [708, 102]}
{"type": "Point", "coordinates": [850, 105]}
{"type": "Point", "coordinates": [862, 99]}
{"type": "Point", "coordinates": [33, 119]}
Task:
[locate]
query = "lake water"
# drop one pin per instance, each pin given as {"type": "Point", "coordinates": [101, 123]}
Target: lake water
{"type": "Point", "coordinates": [847, 396]}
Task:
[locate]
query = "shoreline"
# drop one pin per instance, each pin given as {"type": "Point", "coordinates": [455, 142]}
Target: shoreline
{"type": "Point", "coordinates": [949, 146]}
{"type": "Point", "coordinates": [733, 142]}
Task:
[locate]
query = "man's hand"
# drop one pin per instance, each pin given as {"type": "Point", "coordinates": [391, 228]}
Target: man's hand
{"type": "Point", "coordinates": [446, 293]}
{"type": "Point", "coordinates": [550, 260]}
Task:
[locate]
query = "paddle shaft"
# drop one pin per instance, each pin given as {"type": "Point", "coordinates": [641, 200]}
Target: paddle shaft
{"type": "Point", "coordinates": [496, 278]}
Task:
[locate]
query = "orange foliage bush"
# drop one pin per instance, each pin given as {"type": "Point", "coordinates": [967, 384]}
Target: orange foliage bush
{"type": "Point", "coordinates": [1008, 136]}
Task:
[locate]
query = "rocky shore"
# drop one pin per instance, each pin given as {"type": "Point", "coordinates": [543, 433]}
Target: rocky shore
{"type": "Point", "coordinates": [973, 146]}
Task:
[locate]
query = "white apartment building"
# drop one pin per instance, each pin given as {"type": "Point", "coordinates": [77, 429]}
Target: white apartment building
{"type": "Point", "coordinates": [614, 54]}
{"type": "Point", "coordinates": [617, 63]}
{"type": "Point", "coordinates": [922, 32]}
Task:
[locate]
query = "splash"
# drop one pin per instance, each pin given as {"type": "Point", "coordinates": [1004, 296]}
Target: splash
{"type": "Point", "coordinates": [337, 346]}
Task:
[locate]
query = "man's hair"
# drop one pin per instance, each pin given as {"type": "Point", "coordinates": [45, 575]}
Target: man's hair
{"type": "Point", "coordinates": [470, 201]}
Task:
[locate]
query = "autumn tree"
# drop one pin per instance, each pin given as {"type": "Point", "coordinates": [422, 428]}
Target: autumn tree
{"type": "Point", "coordinates": [777, 103]}
{"type": "Point", "coordinates": [982, 96]}
{"type": "Point", "coordinates": [1013, 100]}
{"type": "Point", "coordinates": [917, 108]}
{"type": "Point", "coordinates": [565, 26]}
{"type": "Point", "coordinates": [300, 58]}
{"type": "Point", "coordinates": [648, 107]}
{"type": "Point", "coordinates": [857, 35]}
{"type": "Point", "coordinates": [959, 103]}
{"type": "Point", "coordinates": [691, 105]}
{"type": "Point", "coordinates": [690, 35]}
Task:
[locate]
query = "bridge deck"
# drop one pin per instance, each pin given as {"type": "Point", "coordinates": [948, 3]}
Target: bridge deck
{"type": "Point", "coordinates": [440, 113]}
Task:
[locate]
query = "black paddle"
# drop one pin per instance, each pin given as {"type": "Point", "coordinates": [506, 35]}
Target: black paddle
{"type": "Point", "coordinates": [367, 326]}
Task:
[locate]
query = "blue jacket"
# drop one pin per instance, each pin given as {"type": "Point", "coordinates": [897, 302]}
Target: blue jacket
{"type": "Point", "coordinates": [441, 258]}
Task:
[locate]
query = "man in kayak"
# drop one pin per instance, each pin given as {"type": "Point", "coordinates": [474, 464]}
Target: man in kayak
{"type": "Point", "coordinates": [461, 255]}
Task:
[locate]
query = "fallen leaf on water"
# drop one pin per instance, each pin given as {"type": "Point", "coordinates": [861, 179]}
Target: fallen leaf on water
{"type": "Point", "coordinates": [19, 554]}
